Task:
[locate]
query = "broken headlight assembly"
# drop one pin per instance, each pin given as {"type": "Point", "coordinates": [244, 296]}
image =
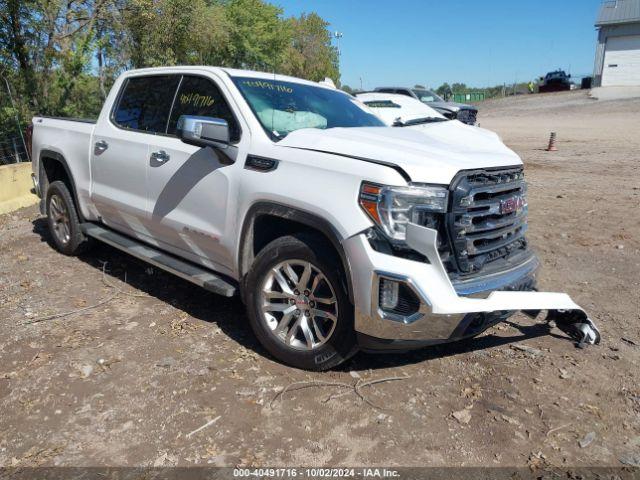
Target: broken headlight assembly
{"type": "Point", "coordinates": [392, 208]}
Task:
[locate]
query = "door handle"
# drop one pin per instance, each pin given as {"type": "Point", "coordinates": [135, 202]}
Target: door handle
{"type": "Point", "coordinates": [100, 147]}
{"type": "Point", "coordinates": [160, 156]}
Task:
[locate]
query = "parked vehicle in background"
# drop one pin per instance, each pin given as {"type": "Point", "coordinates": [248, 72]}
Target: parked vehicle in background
{"type": "Point", "coordinates": [452, 110]}
{"type": "Point", "coordinates": [337, 231]}
{"type": "Point", "coordinates": [556, 81]}
{"type": "Point", "coordinates": [400, 110]}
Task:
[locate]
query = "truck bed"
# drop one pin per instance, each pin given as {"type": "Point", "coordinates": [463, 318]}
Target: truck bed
{"type": "Point", "coordinates": [71, 119]}
{"type": "Point", "coordinates": [70, 138]}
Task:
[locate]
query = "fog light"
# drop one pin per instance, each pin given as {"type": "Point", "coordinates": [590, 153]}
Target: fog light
{"type": "Point", "coordinates": [388, 294]}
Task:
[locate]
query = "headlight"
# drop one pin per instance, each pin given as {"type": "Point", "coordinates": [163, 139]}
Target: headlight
{"type": "Point", "coordinates": [391, 208]}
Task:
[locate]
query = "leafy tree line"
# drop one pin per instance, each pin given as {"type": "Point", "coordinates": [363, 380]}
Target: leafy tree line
{"type": "Point", "coordinates": [445, 89]}
{"type": "Point", "coordinates": [61, 56]}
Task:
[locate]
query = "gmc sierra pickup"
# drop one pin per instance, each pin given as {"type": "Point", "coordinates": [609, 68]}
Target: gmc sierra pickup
{"type": "Point", "coordinates": [339, 232]}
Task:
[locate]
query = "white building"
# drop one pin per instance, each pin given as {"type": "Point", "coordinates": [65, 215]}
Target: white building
{"type": "Point", "coordinates": [617, 61]}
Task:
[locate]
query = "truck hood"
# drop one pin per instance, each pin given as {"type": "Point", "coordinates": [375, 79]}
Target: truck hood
{"type": "Point", "coordinates": [431, 153]}
{"type": "Point", "coordinates": [452, 106]}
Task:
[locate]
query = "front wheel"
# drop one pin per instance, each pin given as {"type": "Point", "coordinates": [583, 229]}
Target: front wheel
{"type": "Point", "coordinates": [298, 306]}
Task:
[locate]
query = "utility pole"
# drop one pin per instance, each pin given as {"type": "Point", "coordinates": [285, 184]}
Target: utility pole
{"type": "Point", "coordinates": [338, 36]}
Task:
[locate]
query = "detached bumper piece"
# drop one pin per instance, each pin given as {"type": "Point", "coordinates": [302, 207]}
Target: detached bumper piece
{"type": "Point", "coordinates": [467, 115]}
{"type": "Point", "coordinates": [577, 325]}
{"type": "Point", "coordinates": [403, 304]}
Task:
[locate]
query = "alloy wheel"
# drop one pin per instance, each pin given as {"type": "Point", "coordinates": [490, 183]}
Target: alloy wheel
{"type": "Point", "coordinates": [60, 219]}
{"type": "Point", "coordinates": [298, 304]}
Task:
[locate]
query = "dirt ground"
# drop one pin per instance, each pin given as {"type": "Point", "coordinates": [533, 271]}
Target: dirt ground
{"type": "Point", "coordinates": [129, 382]}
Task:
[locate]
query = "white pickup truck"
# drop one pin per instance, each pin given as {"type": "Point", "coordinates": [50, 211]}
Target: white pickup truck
{"type": "Point", "coordinates": [339, 232]}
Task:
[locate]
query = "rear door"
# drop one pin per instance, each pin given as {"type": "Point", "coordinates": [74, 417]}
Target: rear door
{"type": "Point", "coordinates": [120, 151]}
{"type": "Point", "coordinates": [189, 186]}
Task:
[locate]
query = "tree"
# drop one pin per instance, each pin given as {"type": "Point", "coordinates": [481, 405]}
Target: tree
{"type": "Point", "coordinates": [459, 88]}
{"type": "Point", "coordinates": [443, 89]}
{"type": "Point", "coordinates": [18, 36]}
{"type": "Point", "coordinates": [258, 36]}
{"type": "Point", "coordinates": [61, 56]}
{"type": "Point", "coordinates": [111, 45]}
{"type": "Point", "coordinates": [348, 89]}
{"type": "Point", "coordinates": [310, 54]}
{"type": "Point", "coordinates": [163, 32]}
{"type": "Point", "coordinates": [45, 46]}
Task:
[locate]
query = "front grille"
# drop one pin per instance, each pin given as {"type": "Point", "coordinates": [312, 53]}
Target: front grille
{"type": "Point", "coordinates": [467, 116]}
{"type": "Point", "coordinates": [488, 217]}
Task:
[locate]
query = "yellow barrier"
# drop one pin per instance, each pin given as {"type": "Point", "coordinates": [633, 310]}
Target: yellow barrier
{"type": "Point", "coordinates": [15, 186]}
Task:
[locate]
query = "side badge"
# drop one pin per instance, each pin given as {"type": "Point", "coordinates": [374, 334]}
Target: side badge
{"type": "Point", "coordinates": [261, 164]}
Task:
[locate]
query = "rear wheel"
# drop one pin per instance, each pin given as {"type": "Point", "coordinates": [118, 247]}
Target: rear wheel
{"type": "Point", "coordinates": [298, 306]}
{"type": "Point", "coordinates": [62, 217]}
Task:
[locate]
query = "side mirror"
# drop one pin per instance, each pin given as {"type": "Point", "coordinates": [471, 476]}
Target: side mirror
{"type": "Point", "coordinates": [203, 131]}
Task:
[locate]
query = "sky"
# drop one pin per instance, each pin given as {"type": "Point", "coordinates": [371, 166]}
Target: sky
{"type": "Point", "coordinates": [479, 43]}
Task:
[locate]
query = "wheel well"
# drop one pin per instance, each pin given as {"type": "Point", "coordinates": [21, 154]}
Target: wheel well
{"type": "Point", "coordinates": [54, 170]}
{"type": "Point", "coordinates": [266, 227]}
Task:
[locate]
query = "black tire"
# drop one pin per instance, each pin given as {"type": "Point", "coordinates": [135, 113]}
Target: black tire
{"type": "Point", "coordinates": [341, 344]}
{"type": "Point", "coordinates": [59, 198]}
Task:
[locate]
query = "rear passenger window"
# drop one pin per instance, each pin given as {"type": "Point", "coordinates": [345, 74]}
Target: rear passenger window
{"type": "Point", "coordinates": [145, 103]}
{"type": "Point", "coordinates": [200, 96]}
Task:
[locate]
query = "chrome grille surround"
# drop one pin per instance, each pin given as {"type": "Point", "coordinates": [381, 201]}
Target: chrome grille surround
{"type": "Point", "coordinates": [488, 217]}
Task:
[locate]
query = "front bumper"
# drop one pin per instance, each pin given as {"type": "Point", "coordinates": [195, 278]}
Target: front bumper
{"type": "Point", "coordinates": [448, 311]}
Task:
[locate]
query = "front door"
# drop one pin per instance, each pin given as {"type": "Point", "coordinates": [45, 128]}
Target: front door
{"type": "Point", "coordinates": [188, 186]}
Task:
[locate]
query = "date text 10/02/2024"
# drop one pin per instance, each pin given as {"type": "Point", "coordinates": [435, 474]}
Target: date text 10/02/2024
{"type": "Point", "coordinates": [316, 472]}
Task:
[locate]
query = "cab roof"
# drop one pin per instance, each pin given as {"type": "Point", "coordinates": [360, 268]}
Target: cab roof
{"type": "Point", "coordinates": [231, 72]}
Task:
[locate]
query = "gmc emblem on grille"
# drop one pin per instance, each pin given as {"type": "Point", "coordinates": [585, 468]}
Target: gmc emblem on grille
{"type": "Point", "coordinates": [513, 204]}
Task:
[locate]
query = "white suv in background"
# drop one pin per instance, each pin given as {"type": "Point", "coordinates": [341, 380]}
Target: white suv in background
{"type": "Point", "coordinates": [452, 110]}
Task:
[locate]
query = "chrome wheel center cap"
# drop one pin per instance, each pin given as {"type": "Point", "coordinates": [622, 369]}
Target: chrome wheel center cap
{"type": "Point", "coordinates": [302, 301]}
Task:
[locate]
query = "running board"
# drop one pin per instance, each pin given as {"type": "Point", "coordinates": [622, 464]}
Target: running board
{"type": "Point", "coordinates": [183, 269]}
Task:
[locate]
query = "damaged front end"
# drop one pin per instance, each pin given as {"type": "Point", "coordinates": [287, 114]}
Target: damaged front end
{"type": "Point", "coordinates": [403, 304]}
{"type": "Point", "coordinates": [576, 325]}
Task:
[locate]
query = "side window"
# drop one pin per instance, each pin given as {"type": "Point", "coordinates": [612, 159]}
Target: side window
{"type": "Point", "coordinates": [145, 103]}
{"type": "Point", "coordinates": [200, 96]}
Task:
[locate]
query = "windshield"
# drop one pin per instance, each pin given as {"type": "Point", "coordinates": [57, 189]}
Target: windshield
{"type": "Point", "coordinates": [427, 96]}
{"type": "Point", "coordinates": [283, 107]}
